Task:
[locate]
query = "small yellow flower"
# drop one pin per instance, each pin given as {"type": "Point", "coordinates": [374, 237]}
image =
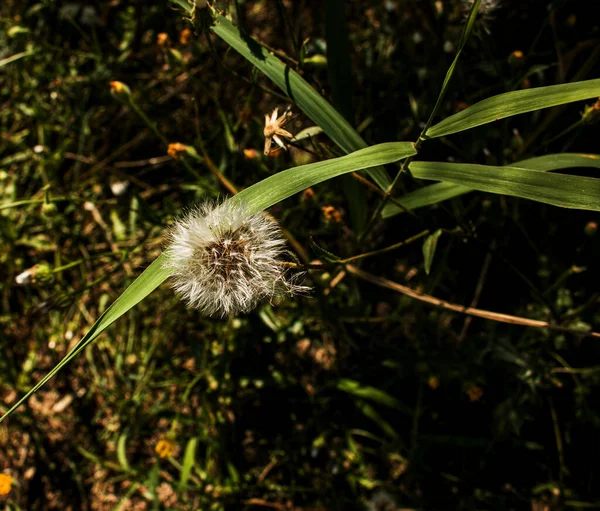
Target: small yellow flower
{"type": "Point", "coordinates": [165, 447]}
{"type": "Point", "coordinates": [475, 393]}
{"type": "Point", "coordinates": [308, 194]}
{"type": "Point", "coordinates": [250, 154]}
{"type": "Point", "coordinates": [433, 382]}
{"type": "Point", "coordinates": [117, 88]}
{"type": "Point", "coordinates": [5, 484]}
{"type": "Point", "coordinates": [175, 149]}
{"type": "Point", "coordinates": [184, 36]}
{"type": "Point", "coordinates": [274, 129]}
{"type": "Point", "coordinates": [331, 214]}
{"type": "Point", "coordinates": [162, 39]}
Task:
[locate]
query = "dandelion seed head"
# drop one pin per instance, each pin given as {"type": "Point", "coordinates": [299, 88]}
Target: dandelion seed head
{"type": "Point", "coordinates": [225, 261]}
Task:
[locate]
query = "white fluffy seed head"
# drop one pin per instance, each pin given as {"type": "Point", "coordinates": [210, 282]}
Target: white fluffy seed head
{"type": "Point", "coordinates": [224, 261]}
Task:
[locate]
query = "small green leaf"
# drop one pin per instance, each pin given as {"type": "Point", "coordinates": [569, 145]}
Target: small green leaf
{"type": "Point", "coordinates": [374, 415]}
{"type": "Point", "coordinates": [429, 249]}
{"type": "Point", "coordinates": [122, 454]}
{"type": "Point", "coordinates": [514, 103]}
{"type": "Point", "coordinates": [189, 459]}
{"type": "Point", "coordinates": [379, 396]}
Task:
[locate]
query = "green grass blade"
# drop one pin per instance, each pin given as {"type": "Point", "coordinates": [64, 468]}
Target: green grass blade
{"type": "Point", "coordinates": [288, 182]}
{"type": "Point", "coordinates": [463, 41]}
{"type": "Point", "coordinates": [189, 459]}
{"type": "Point", "coordinates": [559, 161]}
{"type": "Point", "coordinates": [426, 196]}
{"type": "Point", "coordinates": [514, 103]}
{"type": "Point", "coordinates": [557, 189]}
{"type": "Point", "coordinates": [317, 108]}
{"type": "Point", "coordinates": [258, 197]}
{"type": "Point", "coordinates": [438, 192]}
{"type": "Point", "coordinates": [141, 287]}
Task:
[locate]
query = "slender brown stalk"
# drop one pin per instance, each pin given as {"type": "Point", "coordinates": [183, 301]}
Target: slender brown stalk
{"type": "Point", "coordinates": [471, 311]}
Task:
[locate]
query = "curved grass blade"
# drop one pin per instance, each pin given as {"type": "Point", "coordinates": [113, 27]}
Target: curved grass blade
{"type": "Point", "coordinates": [426, 196]}
{"type": "Point", "coordinates": [557, 189]}
{"type": "Point", "coordinates": [141, 287]}
{"type": "Point", "coordinates": [288, 182]}
{"type": "Point", "coordinates": [258, 197]}
{"type": "Point", "coordinates": [463, 41]}
{"type": "Point", "coordinates": [317, 108]}
{"type": "Point", "coordinates": [514, 103]}
{"type": "Point", "coordinates": [438, 192]}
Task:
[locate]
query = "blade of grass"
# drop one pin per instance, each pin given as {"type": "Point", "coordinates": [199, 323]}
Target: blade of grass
{"type": "Point", "coordinates": [438, 192]}
{"type": "Point", "coordinates": [258, 197]}
{"type": "Point", "coordinates": [317, 108]}
{"type": "Point", "coordinates": [514, 103]}
{"type": "Point", "coordinates": [557, 189]}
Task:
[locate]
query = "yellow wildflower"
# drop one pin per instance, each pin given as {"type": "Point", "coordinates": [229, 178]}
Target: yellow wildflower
{"type": "Point", "coordinates": [475, 393]}
{"type": "Point", "coordinates": [165, 447]}
{"type": "Point", "coordinates": [185, 35]}
{"type": "Point", "coordinates": [5, 484]}
{"type": "Point", "coordinates": [162, 39]}
{"type": "Point", "coordinates": [250, 154]}
{"type": "Point", "coordinates": [331, 214]}
{"type": "Point", "coordinates": [117, 88]}
{"type": "Point", "coordinates": [176, 149]}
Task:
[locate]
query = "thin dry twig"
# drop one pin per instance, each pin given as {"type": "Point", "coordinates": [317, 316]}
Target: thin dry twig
{"type": "Point", "coordinates": [471, 311]}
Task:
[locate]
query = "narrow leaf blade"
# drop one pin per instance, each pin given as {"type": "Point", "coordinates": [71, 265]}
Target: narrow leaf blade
{"type": "Point", "coordinates": [557, 189]}
{"type": "Point", "coordinates": [429, 247]}
{"type": "Point", "coordinates": [317, 108]}
{"type": "Point", "coordinates": [514, 103]}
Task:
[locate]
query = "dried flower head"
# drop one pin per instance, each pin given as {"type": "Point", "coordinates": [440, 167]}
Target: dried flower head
{"type": "Point", "coordinates": [274, 129]}
{"type": "Point", "coordinates": [224, 261]}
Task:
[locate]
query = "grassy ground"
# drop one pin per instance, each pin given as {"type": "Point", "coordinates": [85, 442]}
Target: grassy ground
{"type": "Point", "coordinates": [353, 397]}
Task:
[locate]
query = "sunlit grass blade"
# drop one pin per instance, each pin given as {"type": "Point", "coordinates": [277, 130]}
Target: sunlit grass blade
{"type": "Point", "coordinates": [514, 103]}
{"type": "Point", "coordinates": [258, 197]}
{"type": "Point", "coordinates": [141, 287]}
{"type": "Point", "coordinates": [559, 161]}
{"type": "Point", "coordinates": [288, 182]}
{"type": "Point", "coordinates": [557, 189]}
{"type": "Point", "coordinates": [317, 108]}
{"type": "Point", "coordinates": [438, 192]}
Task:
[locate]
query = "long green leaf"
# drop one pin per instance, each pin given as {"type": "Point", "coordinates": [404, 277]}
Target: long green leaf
{"type": "Point", "coordinates": [426, 196]}
{"type": "Point", "coordinates": [557, 189]}
{"type": "Point", "coordinates": [438, 192]}
{"type": "Point", "coordinates": [288, 182]}
{"type": "Point", "coordinates": [258, 197]}
{"type": "Point", "coordinates": [317, 108]}
{"type": "Point", "coordinates": [141, 287]}
{"type": "Point", "coordinates": [514, 103]}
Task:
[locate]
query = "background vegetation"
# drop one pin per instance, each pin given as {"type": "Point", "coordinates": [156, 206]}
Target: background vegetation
{"type": "Point", "coordinates": [358, 397]}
